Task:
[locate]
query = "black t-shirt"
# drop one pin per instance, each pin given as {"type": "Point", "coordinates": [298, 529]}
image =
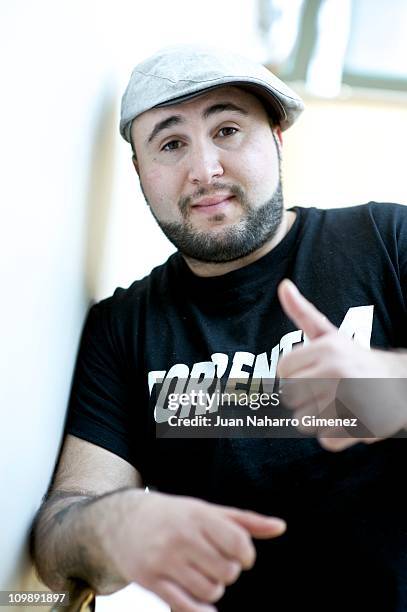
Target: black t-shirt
{"type": "Point", "coordinates": [346, 543]}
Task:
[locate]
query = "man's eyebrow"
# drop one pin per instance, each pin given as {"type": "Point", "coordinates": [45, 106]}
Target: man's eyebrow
{"type": "Point", "coordinates": [223, 106]}
{"type": "Point", "coordinates": [164, 124]}
{"type": "Point", "coordinates": [208, 112]}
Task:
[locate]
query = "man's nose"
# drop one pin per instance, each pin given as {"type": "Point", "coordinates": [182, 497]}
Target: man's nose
{"type": "Point", "coordinates": [204, 164]}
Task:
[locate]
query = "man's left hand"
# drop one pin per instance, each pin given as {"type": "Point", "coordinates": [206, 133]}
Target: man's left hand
{"type": "Point", "coordinates": [331, 370]}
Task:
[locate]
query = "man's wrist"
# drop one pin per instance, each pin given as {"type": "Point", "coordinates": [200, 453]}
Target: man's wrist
{"type": "Point", "coordinates": [111, 514]}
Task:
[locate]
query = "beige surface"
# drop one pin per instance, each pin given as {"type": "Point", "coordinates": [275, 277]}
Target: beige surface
{"type": "Point", "coordinates": [347, 151]}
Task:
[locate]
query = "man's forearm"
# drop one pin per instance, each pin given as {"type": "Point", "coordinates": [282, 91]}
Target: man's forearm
{"type": "Point", "coordinates": [69, 534]}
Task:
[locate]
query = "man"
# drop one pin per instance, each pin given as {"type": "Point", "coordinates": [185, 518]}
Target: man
{"type": "Point", "coordinates": [206, 132]}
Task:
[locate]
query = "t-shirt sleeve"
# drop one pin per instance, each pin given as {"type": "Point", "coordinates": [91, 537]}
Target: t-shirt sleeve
{"type": "Point", "coordinates": [402, 248]}
{"type": "Point", "coordinates": [391, 222]}
{"type": "Point", "coordinates": [99, 404]}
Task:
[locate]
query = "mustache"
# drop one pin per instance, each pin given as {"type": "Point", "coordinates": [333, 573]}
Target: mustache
{"type": "Point", "coordinates": [235, 190]}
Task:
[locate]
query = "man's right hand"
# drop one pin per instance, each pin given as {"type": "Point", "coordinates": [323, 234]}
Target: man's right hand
{"type": "Point", "coordinates": [100, 528]}
{"type": "Point", "coordinates": [183, 549]}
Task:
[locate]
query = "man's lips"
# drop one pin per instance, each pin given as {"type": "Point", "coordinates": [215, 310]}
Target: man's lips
{"type": "Point", "coordinates": [213, 203]}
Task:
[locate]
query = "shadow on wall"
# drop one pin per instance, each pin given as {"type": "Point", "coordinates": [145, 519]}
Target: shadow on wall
{"type": "Point", "coordinates": [100, 196]}
{"type": "Point", "coordinates": [97, 203]}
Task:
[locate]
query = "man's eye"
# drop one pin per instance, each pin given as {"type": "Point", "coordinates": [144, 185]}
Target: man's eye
{"type": "Point", "coordinates": [227, 131]}
{"type": "Point", "coordinates": [173, 145]}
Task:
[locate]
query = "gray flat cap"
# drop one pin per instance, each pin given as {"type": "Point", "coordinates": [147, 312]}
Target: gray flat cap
{"type": "Point", "coordinates": [178, 73]}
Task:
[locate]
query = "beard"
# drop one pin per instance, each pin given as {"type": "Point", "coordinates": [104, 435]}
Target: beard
{"type": "Point", "coordinates": [256, 227]}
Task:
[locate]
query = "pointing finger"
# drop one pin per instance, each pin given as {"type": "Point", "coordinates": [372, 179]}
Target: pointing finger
{"type": "Point", "coordinates": [302, 312]}
{"type": "Point", "coordinates": [258, 525]}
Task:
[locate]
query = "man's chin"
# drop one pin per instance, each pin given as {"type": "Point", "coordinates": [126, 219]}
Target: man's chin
{"type": "Point", "coordinates": [216, 258]}
{"type": "Point", "coordinates": [223, 247]}
{"type": "Point", "coordinates": [223, 237]}
{"type": "Point", "coordinates": [215, 225]}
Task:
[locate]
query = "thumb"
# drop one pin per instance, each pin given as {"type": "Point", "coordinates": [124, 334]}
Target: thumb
{"type": "Point", "coordinates": [302, 312]}
{"type": "Point", "coordinates": [258, 525]}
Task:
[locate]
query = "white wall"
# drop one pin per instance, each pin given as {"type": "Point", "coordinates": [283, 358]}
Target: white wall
{"type": "Point", "coordinates": [58, 95]}
{"type": "Point", "coordinates": [73, 222]}
{"type": "Point", "coordinates": [68, 195]}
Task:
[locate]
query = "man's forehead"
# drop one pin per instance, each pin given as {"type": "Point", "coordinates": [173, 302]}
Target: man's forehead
{"type": "Point", "coordinates": [228, 93]}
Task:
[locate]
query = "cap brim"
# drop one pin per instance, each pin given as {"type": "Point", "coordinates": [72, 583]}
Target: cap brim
{"type": "Point", "coordinates": [273, 105]}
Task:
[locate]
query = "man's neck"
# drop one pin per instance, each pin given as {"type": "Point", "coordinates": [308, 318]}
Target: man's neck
{"type": "Point", "coordinates": [202, 268]}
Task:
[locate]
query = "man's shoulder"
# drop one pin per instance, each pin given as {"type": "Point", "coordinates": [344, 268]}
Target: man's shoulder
{"type": "Point", "coordinates": [369, 208]}
{"type": "Point", "coordinates": [129, 298]}
{"type": "Point", "coordinates": [382, 215]}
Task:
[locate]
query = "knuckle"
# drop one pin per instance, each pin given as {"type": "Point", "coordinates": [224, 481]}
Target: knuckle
{"type": "Point", "coordinates": [243, 546]}
{"type": "Point", "coordinates": [184, 607]}
{"type": "Point", "coordinates": [177, 606]}
{"type": "Point", "coordinates": [250, 556]}
{"type": "Point", "coordinates": [231, 571]}
{"type": "Point", "coordinates": [236, 542]}
{"type": "Point", "coordinates": [215, 592]}
{"type": "Point", "coordinates": [176, 603]}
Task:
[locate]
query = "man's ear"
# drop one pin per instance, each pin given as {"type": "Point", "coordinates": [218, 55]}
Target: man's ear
{"type": "Point", "coordinates": [135, 164]}
{"type": "Point", "coordinates": [279, 134]}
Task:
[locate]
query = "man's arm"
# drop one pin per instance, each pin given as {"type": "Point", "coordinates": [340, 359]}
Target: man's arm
{"type": "Point", "coordinates": [99, 528]}
{"type": "Point", "coordinates": [64, 537]}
